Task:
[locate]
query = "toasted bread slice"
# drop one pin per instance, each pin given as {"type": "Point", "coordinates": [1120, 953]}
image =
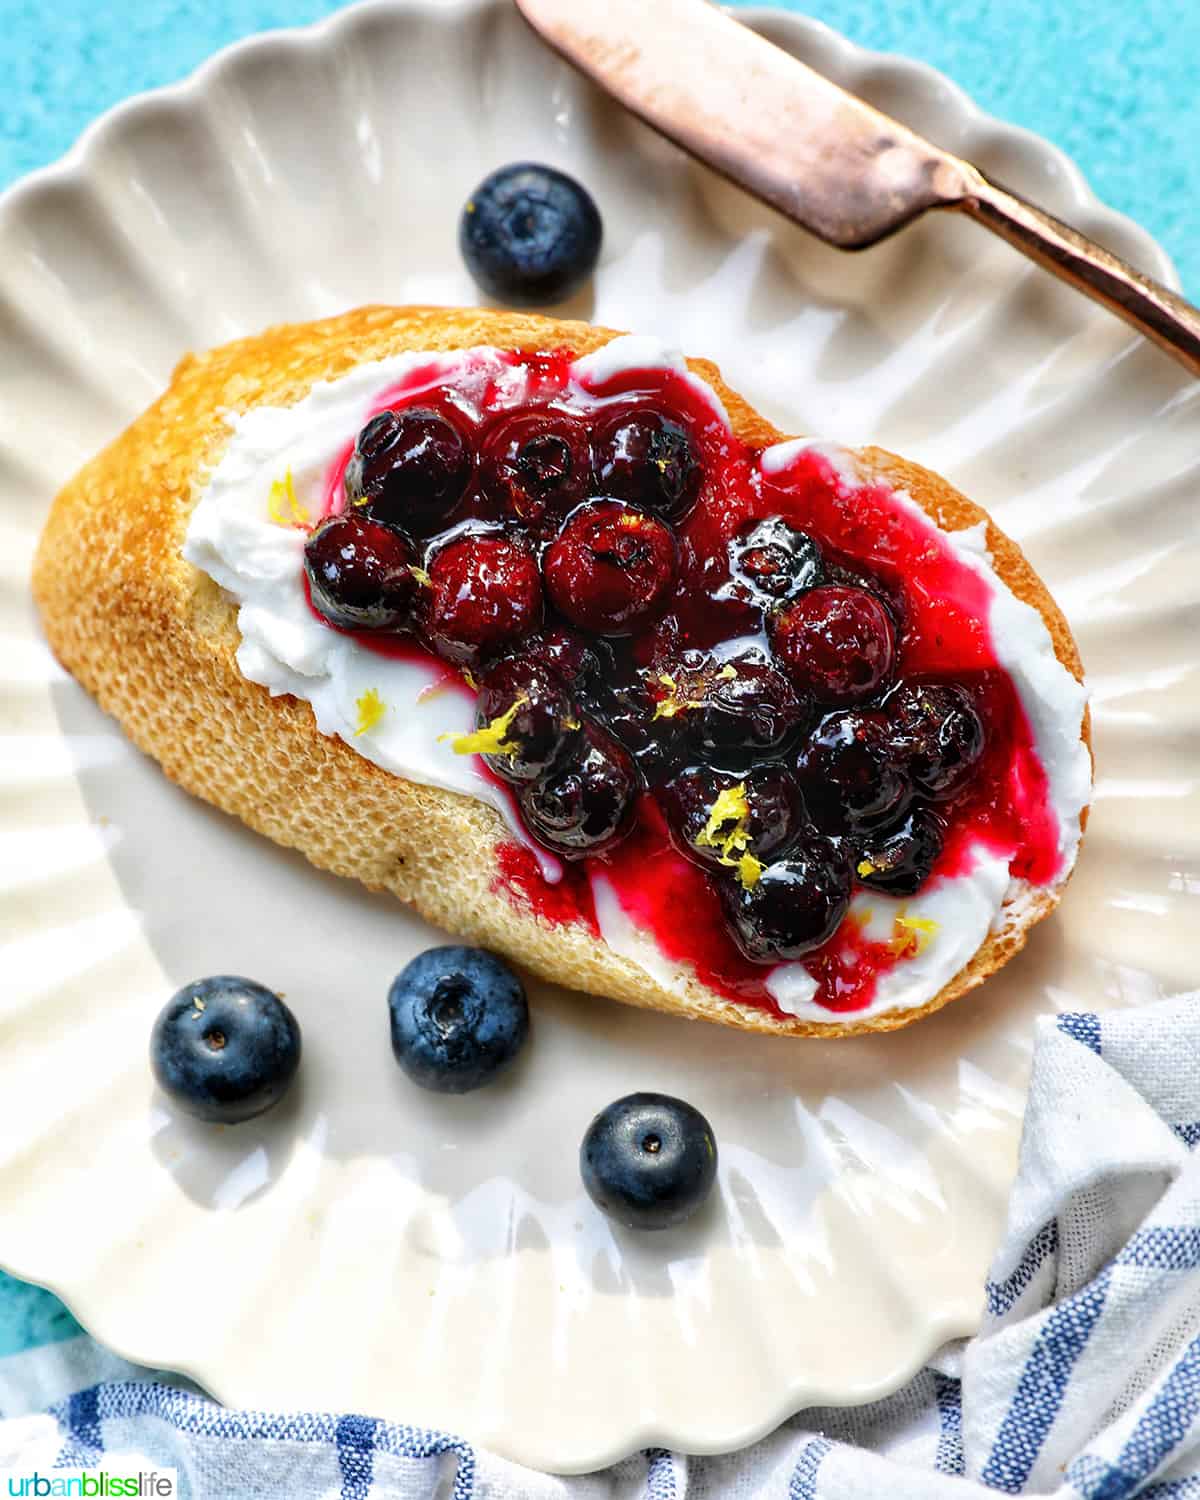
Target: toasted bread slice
{"type": "Point", "coordinates": [153, 639]}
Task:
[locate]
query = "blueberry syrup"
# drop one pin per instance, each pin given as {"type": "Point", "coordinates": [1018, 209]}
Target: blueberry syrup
{"type": "Point", "coordinates": [519, 876]}
{"type": "Point", "coordinates": [723, 618]}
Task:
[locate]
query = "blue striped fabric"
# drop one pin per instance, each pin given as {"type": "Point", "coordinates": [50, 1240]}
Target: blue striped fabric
{"type": "Point", "coordinates": [948, 1395]}
{"type": "Point", "coordinates": [1093, 1395]}
{"type": "Point", "coordinates": [1002, 1295]}
{"type": "Point", "coordinates": [660, 1475]}
{"type": "Point", "coordinates": [1084, 1026]}
{"type": "Point", "coordinates": [355, 1439]}
{"type": "Point", "coordinates": [1163, 1425]}
{"type": "Point", "coordinates": [804, 1477]}
{"type": "Point", "coordinates": [1041, 1388]}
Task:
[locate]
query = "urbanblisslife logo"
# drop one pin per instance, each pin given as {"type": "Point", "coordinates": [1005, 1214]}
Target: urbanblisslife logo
{"type": "Point", "coordinates": [103, 1484]}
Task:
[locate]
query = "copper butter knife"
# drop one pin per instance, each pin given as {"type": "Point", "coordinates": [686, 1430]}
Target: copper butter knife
{"type": "Point", "coordinates": [843, 170]}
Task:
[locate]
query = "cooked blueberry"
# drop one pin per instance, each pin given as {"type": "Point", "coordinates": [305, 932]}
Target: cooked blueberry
{"type": "Point", "coordinates": [850, 773]}
{"type": "Point", "coordinates": [585, 802]}
{"type": "Point", "coordinates": [888, 591]}
{"type": "Point", "coordinates": [645, 457]}
{"type": "Point", "coordinates": [836, 643]}
{"type": "Point", "coordinates": [761, 813]}
{"type": "Point", "coordinates": [360, 573]}
{"type": "Point", "coordinates": [611, 569]}
{"type": "Point", "coordinates": [409, 468]}
{"type": "Point", "coordinates": [225, 1049]}
{"type": "Point", "coordinates": [530, 234]}
{"type": "Point", "coordinates": [626, 708]}
{"type": "Point", "coordinates": [485, 592]}
{"type": "Point", "coordinates": [649, 1161]}
{"type": "Point", "coordinates": [535, 464]}
{"type": "Point", "coordinates": [459, 1017]}
{"type": "Point", "coordinates": [577, 661]}
{"type": "Point", "coordinates": [899, 859]}
{"type": "Point", "coordinates": [794, 906]}
{"type": "Point", "coordinates": [529, 707]}
{"type": "Point", "coordinates": [774, 562]}
{"type": "Point", "coordinates": [937, 727]}
{"type": "Point", "coordinates": [745, 705]}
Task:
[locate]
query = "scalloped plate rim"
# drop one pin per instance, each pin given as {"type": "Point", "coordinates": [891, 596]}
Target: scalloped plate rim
{"type": "Point", "coordinates": [77, 158]}
{"type": "Point", "coordinates": [73, 169]}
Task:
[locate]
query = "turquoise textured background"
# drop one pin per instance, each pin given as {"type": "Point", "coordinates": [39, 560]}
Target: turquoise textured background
{"type": "Point", "coordinates": [1115, 83]}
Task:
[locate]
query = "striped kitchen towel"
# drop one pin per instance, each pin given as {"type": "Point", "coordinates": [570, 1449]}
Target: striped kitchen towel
{"type": "Point", "coordinates": [1083, 1384]}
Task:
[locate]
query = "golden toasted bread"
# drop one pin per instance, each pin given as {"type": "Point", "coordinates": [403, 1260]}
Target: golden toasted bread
{"type": "Point", "coordinates": [153, 639]}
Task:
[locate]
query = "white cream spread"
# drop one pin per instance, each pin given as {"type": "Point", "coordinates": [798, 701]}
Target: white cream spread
{"type": "Point", "coordinates": [285, 647]}
{"type": "Point", "coordinates": [961, 912]}
{"type": "Point", "coordinates": [233, 539]}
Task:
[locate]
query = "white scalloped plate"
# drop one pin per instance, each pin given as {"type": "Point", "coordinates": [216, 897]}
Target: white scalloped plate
{"type": "Point", "coordinates": [434, 1260]}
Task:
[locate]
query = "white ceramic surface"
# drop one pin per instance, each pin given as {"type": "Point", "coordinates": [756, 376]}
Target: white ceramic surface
{"type": "Point", "coordinates": [435, 1260]}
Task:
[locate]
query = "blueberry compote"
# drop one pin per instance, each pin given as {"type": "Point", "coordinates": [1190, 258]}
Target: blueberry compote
{"type": "Point", "coordinates": [743, 695]}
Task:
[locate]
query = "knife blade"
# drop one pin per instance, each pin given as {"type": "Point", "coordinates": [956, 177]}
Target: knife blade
{"type": "Point", "coordinates": [759, 116]}
{"type": "Point", "coordinates": [845, 171]}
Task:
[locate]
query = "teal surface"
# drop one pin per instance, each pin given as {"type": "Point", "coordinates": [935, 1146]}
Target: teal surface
{"type": "Point", "coordinates": [1115, 83]}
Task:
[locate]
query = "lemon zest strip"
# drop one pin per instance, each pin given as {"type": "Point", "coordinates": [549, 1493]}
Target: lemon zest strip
{"type": "Point", "coordinates": [668, 707]}
{"type": "Point", "coordinates": [283, 492]}
{"type": "Point", "coordinates": [731, 806]}
{"type": "Point", "coordinates": [726, 831]}
{"type": "Point", "coordinates": [491, 739]}
{"type": "Point", "coordinates": [371, 709]}
{"type": "Point", "coordinates": [749, 871]}
{"type": "Point", "coordinates": [673, 703]}
{"type": "Point", "coordinates": [912, 935]}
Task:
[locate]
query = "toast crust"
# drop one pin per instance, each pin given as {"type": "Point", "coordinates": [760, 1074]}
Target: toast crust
{"type": "Point", "coordinates": [153, 640]}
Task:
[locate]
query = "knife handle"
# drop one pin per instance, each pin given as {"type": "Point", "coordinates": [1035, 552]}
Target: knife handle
{"type": "Point", "coordinates": [1153, 309]}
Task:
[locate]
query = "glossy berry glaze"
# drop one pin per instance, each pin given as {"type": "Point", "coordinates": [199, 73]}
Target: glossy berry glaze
{"type": "Point", "coordinates": [653, 620]}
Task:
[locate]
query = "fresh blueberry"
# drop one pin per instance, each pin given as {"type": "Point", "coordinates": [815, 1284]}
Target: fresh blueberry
{"type": "Point", "coordinates": [225, 1049]}
{"type": "Point", "coordinates": [649, 1161]}
{"type": "Point", "coordinates": [530, 234]}
{"type": "Point", "coordinates": [794, 906]}
{"type": "Point", "coordinates": [459, 1018]}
